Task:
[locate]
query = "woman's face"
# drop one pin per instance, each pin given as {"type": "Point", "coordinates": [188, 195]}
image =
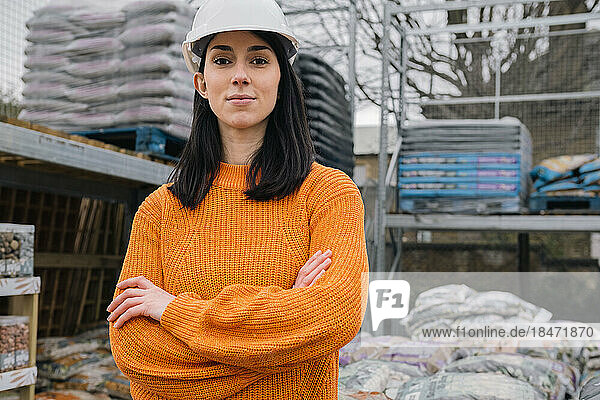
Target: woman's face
{"type": "Point", "coordinates": [239, 64]}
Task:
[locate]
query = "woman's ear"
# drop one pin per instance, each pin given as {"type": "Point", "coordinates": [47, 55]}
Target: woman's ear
{"type": "Point", "coordinates": [200, 84]}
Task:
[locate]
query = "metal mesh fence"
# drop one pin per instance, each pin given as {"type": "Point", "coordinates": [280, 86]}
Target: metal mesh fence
{"type": "Point", "coordinates": [546, 75]}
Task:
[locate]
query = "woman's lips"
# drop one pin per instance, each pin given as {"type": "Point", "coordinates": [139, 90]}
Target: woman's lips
{"type": "Point", "coordinates": [241, 102]}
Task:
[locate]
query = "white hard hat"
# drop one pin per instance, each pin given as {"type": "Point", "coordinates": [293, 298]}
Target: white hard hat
{"type": "Point", "coordinates": [216, 16]}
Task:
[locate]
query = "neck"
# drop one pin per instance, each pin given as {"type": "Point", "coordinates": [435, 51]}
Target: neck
{"type": "Point", "coordinates": [240, 144]}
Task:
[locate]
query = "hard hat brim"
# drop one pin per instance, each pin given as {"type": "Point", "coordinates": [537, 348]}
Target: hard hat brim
{"type": "Point", "coordinates": [192, 59]}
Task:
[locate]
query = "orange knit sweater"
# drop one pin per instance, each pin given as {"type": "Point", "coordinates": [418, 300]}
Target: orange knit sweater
{"type": "Point", "coordinates": [237, 329]}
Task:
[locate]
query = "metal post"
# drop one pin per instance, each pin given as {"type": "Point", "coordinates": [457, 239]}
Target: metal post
{"type": "Point", "coordinates": [403, 118]}
{"type": "Point", "coordinates": [352, 60]}
{"type": "Point", "coordinates": [523, 246]}
{"type": "Point", "coordinates": [497, 102]}
{"type": "Point", "coordinates": [598, 136]}
{"type": "Point", "coordinates": [380, 204]}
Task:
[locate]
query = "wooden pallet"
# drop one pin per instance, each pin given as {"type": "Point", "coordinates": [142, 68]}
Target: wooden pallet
{"type": "Point", "coordinates": [83, 139]}
{"type": "Point", "coordinates": [564, 204]}
{"type": "Point", "coordinates": [79, 246]}
{"type": "Point", "coordinates": [143, 139]}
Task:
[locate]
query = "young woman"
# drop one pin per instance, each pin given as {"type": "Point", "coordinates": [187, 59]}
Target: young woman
{"type": "Point", "coordinates": [219, 296]}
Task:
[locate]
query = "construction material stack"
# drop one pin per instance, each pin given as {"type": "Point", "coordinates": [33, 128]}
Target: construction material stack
{"type": "Point", "coordinates": [329, 112]}
{"type": "Point", "coordinates": [73, 63]}
{"type": "Point", "coordinates": [157, 88]}
{"type": "Point", "coordinates": [105, 65]}
{"type": "Point", "coordinates": [464, 166]}
{"type": "Point", "coordinates": [569, 182]}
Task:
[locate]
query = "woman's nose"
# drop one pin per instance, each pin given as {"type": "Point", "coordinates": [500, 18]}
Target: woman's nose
{"type": "Point", "coordinates": [240, 76]}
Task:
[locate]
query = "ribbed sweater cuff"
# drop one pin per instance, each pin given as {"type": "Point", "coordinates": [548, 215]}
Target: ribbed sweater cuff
{"type": "Point", "coordinates": [183, 316]}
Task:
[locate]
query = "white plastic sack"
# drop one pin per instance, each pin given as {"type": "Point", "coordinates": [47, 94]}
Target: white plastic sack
{"type": "Point", "coordinates": [141, 7]}
{"type": "Point", "coordinates": [148, 35]}
{"type": "Point", "coordinates": [94, 69]}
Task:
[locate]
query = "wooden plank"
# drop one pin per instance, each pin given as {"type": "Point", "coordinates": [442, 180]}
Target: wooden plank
{"type": "Point", "coordinates": [85, 248]}
{"type": "Point", "coordinates": [99, 295]}
{"type": "Point", "coordinates": [95, 235]}
{"type": "Point", "coordinates": [107, 228]}
{"type": "Point", "coordinates": [19, 286]}
{"type": "Point", "coordinates": [17, 378]}
{"type": "Point", "coordinates": [28, 305]}
{"type": "Point", "coordinates": [80, 261]}
{"type": "Point", "coordinates": [63, 233]}
{"type": "Point", "coordinates": [52, 226]}
{"type": "Point", "coordinates": [44, 278]}
{"type": "Point", "coordinates": [52, 303]}
{"type": "Point", "coordinates": [83, 207]}
{"type": "Point", "coordinates": [119, 227]}
{"type": "Point", "coordinates": [91, 226]}
{"type": "Point", "coordinates": [78, 138]}
{"type": "Point", "coordinates": [27, 392]}
{"type": "Point", "coordinates": [86, 285]}
{"type": "Point", "coordinates": [63, 318]}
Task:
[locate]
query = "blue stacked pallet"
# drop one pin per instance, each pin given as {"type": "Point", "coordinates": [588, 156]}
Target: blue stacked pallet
{"type": "Point", "coordinates": [484, 169]}
{"type": "Point", "coordinates": [144, 139]}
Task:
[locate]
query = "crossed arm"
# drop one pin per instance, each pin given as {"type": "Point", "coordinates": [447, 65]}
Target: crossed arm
{"type": "Point", "coordinates": [209, 348]}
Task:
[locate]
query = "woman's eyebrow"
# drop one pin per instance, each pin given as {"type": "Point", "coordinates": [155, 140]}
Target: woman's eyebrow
{"type": "Point", "coordinates": [222, 47]}
{"type": "Point", "coordinates": [257, 48]}
{"type": "Point", "coordinates": [251, 48]}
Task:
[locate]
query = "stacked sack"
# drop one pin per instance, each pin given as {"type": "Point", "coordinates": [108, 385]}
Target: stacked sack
{"type": "Point", "coordinates": [156, 88]}
{"type": "Point", "coordinates": [577, 175]}
{"type": "Point", "coordinates": [73, 60]}
{"type": "Point", "coordinates": [410, 367]}
{"type": "Point", "coordinates": [452, 306]}
{"type": "Point", "coordinates": [589, 385]}
{"type": "Point", "coordinates": [328, 111]}
{"type": "Point", "coordinates": [73, 366]}
{"type": "Point", "coordinates": [109, 65]}
{"type": "Point", "coordinates": [464, 166]}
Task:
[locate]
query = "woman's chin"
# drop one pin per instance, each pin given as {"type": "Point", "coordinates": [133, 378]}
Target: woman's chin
{"type": "Point", "coordinates": [243, 123]}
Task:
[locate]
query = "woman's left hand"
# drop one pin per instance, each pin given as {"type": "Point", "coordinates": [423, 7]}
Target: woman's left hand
{"type": "Point", "coordinates": [142, 298]}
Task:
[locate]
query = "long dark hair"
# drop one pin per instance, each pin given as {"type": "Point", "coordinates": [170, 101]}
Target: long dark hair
{"type": "Point", "coordinates": [284, 158]}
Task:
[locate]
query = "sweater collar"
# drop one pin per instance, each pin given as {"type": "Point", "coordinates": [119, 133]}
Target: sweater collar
{"type": "Point", "coordinates": [232, 175]}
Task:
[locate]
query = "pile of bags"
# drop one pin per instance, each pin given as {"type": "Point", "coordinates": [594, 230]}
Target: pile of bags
{"type": "Point", "coordinates": [114, 64]}
{"type": "Point", "coordinates": [328, 111]}
{"type": "Point", "coordinates": [590, 378]}
{"type": "Point", "coordinates": [79, 366]}
{"type": "Point", "coordinates": [157, 88]}
{"type": "Point", "coordinates": [413, 368]}
{"type": "Point", "coordinates": [72, 65]}
{"type": "Point", "coordinates": [464, 166]}
{"type": "Point", "coordinates": [577, 175]}
{"type": "Point", "coordinates": [118, 64]}
{"type": "Point", "coordinates": [452, 306]}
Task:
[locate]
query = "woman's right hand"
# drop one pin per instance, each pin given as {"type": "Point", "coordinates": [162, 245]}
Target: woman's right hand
{"type": "Point", "coordinates": [313, 269]}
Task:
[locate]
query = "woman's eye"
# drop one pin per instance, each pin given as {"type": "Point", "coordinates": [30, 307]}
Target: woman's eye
{"type": "Point", "coordinates": [261, 59]}
{"type": "Point", "coordinates": [217, 60]}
